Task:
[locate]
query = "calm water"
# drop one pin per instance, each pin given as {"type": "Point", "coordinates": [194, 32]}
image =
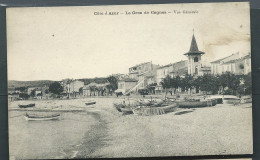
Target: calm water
{"type": "Point", "coordinates": [48, 139]}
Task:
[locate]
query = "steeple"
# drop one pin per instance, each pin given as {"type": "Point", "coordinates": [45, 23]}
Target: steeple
{"type": "Point", "coordinates": [193, 45]}
{"type": "Point", "coordinates": [194, 50]}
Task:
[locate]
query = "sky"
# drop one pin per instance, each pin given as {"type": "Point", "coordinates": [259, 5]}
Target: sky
{"type": "Point", "coordinates": [54, 43]}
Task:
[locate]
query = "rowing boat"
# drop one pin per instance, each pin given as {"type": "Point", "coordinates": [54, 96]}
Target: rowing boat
{"type": "Point", "coordinates": [194, 104]}
{"type": "Point", "coordinates": [147, 111]}
{"type": "Point", "coordinates": [90, 103]}
{"type": "Point", "coordinates": [41, 118]}
{"type": "Point", "coordinates": [26, 105]}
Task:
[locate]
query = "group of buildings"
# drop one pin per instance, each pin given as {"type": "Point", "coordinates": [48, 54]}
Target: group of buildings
{"type": "Point", "coordinates": [144, 74]}
{"type": "Point", "coordinates": [34, 92]}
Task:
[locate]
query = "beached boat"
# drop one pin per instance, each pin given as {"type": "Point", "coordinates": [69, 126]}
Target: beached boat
{"type": "Point", "coordinates": [90, 103]}
{"type": "Point", "coordinates": [26, 105]}
{"type": "Point", "coordinates": [118, 107]}
{"type": "Point", "coordinates": [126, 110]}
{"type": "Point", "coordinates": [41, 118]}
{"type": "Point", "coordinates": [234, 101]}
{"type": "Point", "coordinates": [147, 111]}
{"type": "Point", "coordinates": [196, 104]}
{"type": "Point", "coordinates": [246, 100]}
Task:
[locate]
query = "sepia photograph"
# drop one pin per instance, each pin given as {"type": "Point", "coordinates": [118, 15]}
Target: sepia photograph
{"type": "Point", "coordinates": [121, 81]}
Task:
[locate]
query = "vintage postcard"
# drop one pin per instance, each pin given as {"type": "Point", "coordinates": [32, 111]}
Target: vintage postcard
{"type": "Point", "coordinates": [129, 81]}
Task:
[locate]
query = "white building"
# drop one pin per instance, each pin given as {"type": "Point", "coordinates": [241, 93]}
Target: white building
{"type": "Point", "coordinates": [235, 63]}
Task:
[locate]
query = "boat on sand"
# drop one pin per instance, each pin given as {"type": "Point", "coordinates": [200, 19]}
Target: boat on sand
{"type": "Point", "coordinates": [26, 105]}
{"type": "Point", "coordinates": [90, 103]}
{"type": "Point", "coordinates": [41, 118]}
{"type": "Point", "coordinates": [197, 104]}
{"type": "Point", "coordinates": [148, 111]}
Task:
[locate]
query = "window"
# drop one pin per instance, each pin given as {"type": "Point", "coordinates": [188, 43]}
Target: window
{"type": "Point", "coordinates": [196, 59]}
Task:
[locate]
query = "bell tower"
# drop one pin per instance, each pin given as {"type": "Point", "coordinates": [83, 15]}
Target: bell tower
{"type": "Point", "coordinates": [194, 58]}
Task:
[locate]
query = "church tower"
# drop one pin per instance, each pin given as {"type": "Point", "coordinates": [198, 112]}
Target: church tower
{"type": "Point", "coordinates": [194, 58]}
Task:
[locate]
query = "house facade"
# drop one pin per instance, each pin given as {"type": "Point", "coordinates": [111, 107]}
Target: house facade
{"type": "Point", "coordinates": [234, 63]}
{"type": "Point", "coordinates": [126, 84]}
{"type": "Point", "coordinates": [144, 73]}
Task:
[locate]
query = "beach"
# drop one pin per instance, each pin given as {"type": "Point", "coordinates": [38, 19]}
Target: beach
{"type": "Point", "coordinates": [217, 130]}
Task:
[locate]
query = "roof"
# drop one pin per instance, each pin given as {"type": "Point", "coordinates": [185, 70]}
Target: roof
{"type": "Point", "coordinates": [168, 65]}
{"type": "Point", "coordinates": [194, 50]}
{"type": "Point", "coordinates": [239, 59]}
{"type": "Point", "coordinates": [129, 80]}
{"type": "Point", "coordinates": [140, 64]}
{"type": "Point", "coordinates": [217, 61]}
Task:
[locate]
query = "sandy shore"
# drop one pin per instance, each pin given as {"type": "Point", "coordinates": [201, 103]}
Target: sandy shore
{"type": "Point", "coordinates": [218, 130]}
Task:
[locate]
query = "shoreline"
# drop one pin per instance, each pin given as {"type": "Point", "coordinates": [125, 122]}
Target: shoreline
{"type": "Point", "coordinates": [113, 135]}
{"type": "Point", "coordinates": [94, 139]}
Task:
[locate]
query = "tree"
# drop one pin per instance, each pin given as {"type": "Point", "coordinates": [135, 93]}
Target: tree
{"type": "Point", "coordinates": [188, 82]}
{"type": "Point", "coordinates": [109, 88]}
{"type": "Point", "coordinates": [166, 83]}
{"type": "Point", "coordinates": [248, 83]}
{"type": "Point", "coordinates": [207, 83]}
{"type": "Point", "coordinates": [24, 96]}
{"type": "Point", "coordinates": [92, 89]}
{"type": "Point", "coordinates": [113, 81]}
{"type": "Point", "coordinates": [229, 82]}
{"type": "Point", "coordinates": [81, 90]}
{"type": "Point", "coordinates": [32, 94]}
{"type": "Point", "coordinates": [46, 91]}
{"type": "Point", "coordinates": [176, 83]}
{"type": "Point", "coordinates": [151, 87]}
{"type": "Point", "coordinates": [56, 88]}
{"type": "Point", "coordinates": [21, 89]}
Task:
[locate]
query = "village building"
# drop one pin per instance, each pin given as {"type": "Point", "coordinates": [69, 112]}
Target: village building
{"type": "Point", "coordinates": [174, 69]}
{"type": "Point", "coordinates": [144, 73]}
{"type": "Point", "coordinates": [74, 86]}
{"type": "Point", "coordinates": [235, 63]}
{"type": "Point", "coordinates": [138, 71]}
{"type": "Point", "coordinates": [179, 68]}
{"type": "Point", "coordinates": [95, 89]}
{"type": "Point", "coordinates": [13, 97]}
{"type": "Point", "coordinates": [127, 85]}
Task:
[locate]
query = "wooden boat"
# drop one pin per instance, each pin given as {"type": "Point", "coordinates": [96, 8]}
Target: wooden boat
{"type": "Point", "coordinates": [246, 100]}
{"type": "Point", "coordinates": [127, 110]}
{"type": "Point", "coordinates": [90, 103]}
{"type": "Point", "coordinates": [234, 101]}
{"type": "Point", "coordinates": [196, 104]}
{"type": "Point", "coordinates": [147, 111]}
{"type": "Point", "coordinates": [26, 105]}
{"type": "Point", "coordinates": [118, 107]}
{"type": "Point", "coordinates": [41, 118]}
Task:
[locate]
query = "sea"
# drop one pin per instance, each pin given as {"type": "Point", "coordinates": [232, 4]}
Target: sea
{"type": "Point", "coordinates": [50, 139]}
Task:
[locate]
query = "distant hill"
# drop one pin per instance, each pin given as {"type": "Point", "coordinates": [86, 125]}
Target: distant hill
{"type": "Point", "coordinates": [40, 83]}
{"type": "Point", "coordinates": [95, 80]}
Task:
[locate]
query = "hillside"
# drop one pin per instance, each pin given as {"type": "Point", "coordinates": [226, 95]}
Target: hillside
{"type": "Point", "coordinates": [42, 83]}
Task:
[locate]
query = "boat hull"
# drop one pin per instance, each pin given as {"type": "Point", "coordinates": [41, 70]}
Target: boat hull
{"type": "Point", "coordinates": [42, 118]}
{"type": "Point", "coordinates": [155, 110]}
{"type": "Point", "coordinates": [195, 104]}
{"type": "Point", "coordinates": [90, 103]}
{"type": "Point", "coordinates": [26, 106]}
